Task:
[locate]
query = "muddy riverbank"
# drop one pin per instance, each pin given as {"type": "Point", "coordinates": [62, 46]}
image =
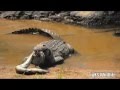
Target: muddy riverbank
{"type": "Point", "coordinates": [98, 51]}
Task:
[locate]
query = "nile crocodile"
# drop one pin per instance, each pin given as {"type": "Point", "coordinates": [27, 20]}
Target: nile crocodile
{"type": "Point", "coordinates": [45, 54]}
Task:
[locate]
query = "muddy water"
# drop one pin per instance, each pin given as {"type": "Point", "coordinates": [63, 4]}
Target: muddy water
{"type": "Point", "coordinates": [97, 50]}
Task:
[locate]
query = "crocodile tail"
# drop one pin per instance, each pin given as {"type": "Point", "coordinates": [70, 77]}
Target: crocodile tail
{"type": "Point", "coordinates": [44, 32]}
{"type": "Point", "coordinates": [52, 34]}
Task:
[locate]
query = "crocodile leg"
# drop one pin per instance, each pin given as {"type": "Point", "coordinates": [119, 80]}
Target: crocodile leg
{"type": "Point", "coordinates": [58, 59]}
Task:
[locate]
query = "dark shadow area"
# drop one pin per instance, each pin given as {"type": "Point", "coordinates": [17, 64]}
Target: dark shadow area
{"type": "Point", "coordinates": [117, 33]}
{"type": "Point", "coordinates": [107, 28]}
{"type": "Point", "coordinates": [47, 66]}
{"type": "Point", "coordinates": [29, 73]}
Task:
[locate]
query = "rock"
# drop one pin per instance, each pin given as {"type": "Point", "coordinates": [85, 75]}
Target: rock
{"type": "Point", "coordinates": [86, 18]}
{"type": "Point", "coordinates": [27, 15]}
{"type": "Point", "coordinates": [7, 14]}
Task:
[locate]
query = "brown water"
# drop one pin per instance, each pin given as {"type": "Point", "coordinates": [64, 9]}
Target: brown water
{"type": "Point", "coordinates": [96, 50]}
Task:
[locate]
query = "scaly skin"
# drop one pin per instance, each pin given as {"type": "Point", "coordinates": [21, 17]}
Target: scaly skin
{"type": "Point", "coordinates": [45, 54]}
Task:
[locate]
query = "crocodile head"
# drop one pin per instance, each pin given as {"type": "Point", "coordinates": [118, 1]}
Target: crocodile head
{"type": "Point", "coordinates": [39, 56]}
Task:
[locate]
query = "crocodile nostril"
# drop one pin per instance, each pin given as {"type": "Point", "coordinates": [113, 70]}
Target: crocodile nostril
{"type": "Point", "coordinates": [44, 45]}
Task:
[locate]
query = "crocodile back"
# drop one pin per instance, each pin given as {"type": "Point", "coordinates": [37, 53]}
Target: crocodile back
{"type": "Point", "coordinates": [58, 47]}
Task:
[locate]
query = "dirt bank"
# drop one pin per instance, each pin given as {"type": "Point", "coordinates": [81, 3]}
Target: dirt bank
{"type": "Point", "coordinates": [8, 72]}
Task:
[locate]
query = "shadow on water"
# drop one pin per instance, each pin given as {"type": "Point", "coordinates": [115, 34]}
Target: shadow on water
{"type": "Point", "coordinates": [107, 28]}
